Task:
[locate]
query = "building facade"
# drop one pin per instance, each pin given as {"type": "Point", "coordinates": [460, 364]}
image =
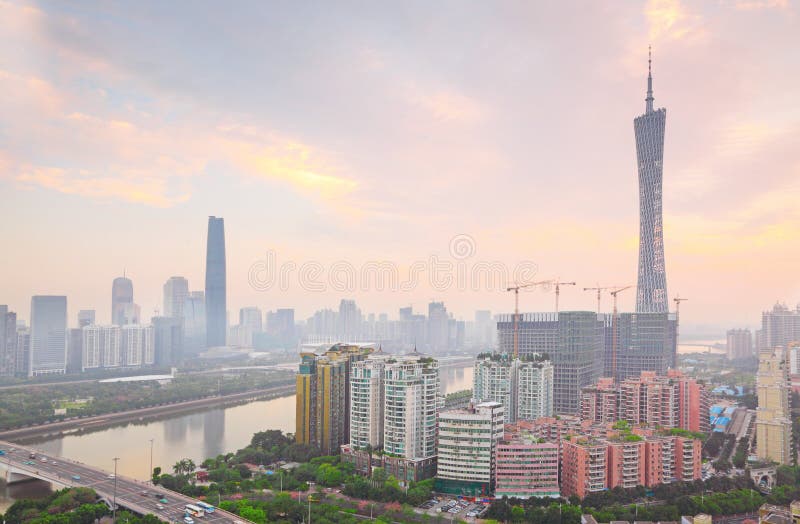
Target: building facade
{"type": "Point", "coordinates": [527, 468]}
{"type": "Point", "coordinates": [122, 306]}
{"type": "Point", "coordinates": [367, 402]}
{"type": "Point", "coordinates": [48, 335]}
{"type": "Point", "coordinates": [216, 290]}
{"type": "Point", "coordinates": [524, 386]}
{"type": "Point", "coordinates": [739, 343]}
{"type": "Point", "coordinates": [176, 289]}
{"type": "Point", "coordinates": [8, 342]}
{"type": "Point", "coordinates": [773, 420]}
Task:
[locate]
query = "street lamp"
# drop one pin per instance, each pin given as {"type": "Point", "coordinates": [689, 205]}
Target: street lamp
{"type": "Point", "coordinates": [114, 504]}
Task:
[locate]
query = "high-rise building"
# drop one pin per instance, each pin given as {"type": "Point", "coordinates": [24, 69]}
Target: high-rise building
{"type": "Point", "coordinates": [48, 344]}
{"type": "Point", "coordinates": [194, 323]}
{"type": "Point", "coordinates": [75, 350]}
{"type": "Point", "coordinates": [773, 418]}
{"type": "Point", "coordinates": [467, 449]}
{"type": "Point", "coordinates": [527, 468]}
{"type": "Point", "coordinates": [280, 326]}
{"type": "Point", "coordinates": [23, 357]}
{"type": "Point", "coordinates": [413, 400]}
{"type": "Point", "coordinates": [524, 386]}
{"type": "Point", "coordinates": [349, 321]}
{"type": "Point", "coordinates": [323, 391]}
{"type": "Point", "coordinates": [86, 317]}
{"type": "Point", "coordinates": [583, 466]}
{"type": "Point", "coordinates": [8, 341]}
{"type": "Point", "coordinates": [138, 345]}
{"type": "Point", "coordinates": [438, 328]}
{"type": "Point", "coordinates": [216, 294]}
{"type": "Point", "coordinates": [101, 346]}
{"type": "Point", "coordinates": [167, 340]}
{"type": "Point", "coordinates": [643, 342]}
{"type": "Point", "coordinates": [649, 130]}
{"type": "Point", "coordinates": [779, 327]}
{"type": "Point", "coordinates": [573, 341]}
{"type": "Point", "coordinates": [599, 402]}
{"type": "Point", "coordinates": [123, 309]}
{"type": "Point", "coordinates": [484, 329]}
{"type": "Point", "coordinates": [367, 401]}
{"type": "Point", "coordinates": [739, 343]}
{"type": "Point", "coordinates": [250, 322]}
{"type": "Point", "coordinates": [176, 289]}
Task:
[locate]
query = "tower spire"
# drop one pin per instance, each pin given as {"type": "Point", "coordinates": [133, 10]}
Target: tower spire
{"type": "Point", "coordinates": [649, 99]}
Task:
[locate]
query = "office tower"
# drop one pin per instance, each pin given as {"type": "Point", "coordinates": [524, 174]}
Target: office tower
{"type": "Point", "coordinates": [644, 342]}
{"type": "Point", "coordinates": [86, 317]}
{"type": "Point", "coordinates": [649, 130]}
{"type": "Point", "coordinates": [779, 327]}
{"type": "Point", "coordinates": [8, 342]}
{"type": "Point", "coordinates": [75, 350]}
{"type": "Point", "coordinates": [438, 328]}
{"type": "Point", "coordinates": [527, 468]}
{"type": "Point", "coordinates": [216, 297]}
{"type": "Point", "coordinates": [167, 340]}
{"type": "Point", "coordinates": [194, 323]}
{"type": "Point", "coordinates": [323, 392]}
{"type": "Point", "coordinates": [573, 341]}
{"type": "Point", "coordinates": [349, 321]}
{"type": "Point", "coordinates": [413, 400]}
{"type": "Point", "coordinates": [739, 343]}
{"type": "Point", "coordinates": [524, 386]}
{"type": "Point", "coordinates": [773, 417]}
{"type": "Point", "coordinates": [176, 289]}
{"type": "Point", "coordinates": [467, 448]}
{"type": "Point", "coordinates": [280, 325]}
{"type": "Point", "coordinates": [367, 401]}
{"type": "Point", "coordinates": [123, 310]}
{"type": "Point", "coordinates": [48, 344]}
{"type": "Point", "coordinates": [23, 357]}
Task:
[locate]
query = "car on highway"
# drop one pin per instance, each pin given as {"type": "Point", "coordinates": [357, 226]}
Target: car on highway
{"type": "Point", "coordinates": [2, 452]}
{"type": "Point", "coordinates": [159, 506]}
{"type": "Point", "coordinates": [111, 476]}
{"type": "Point", "coordinates": [188, 520]}
{"type": "Point", "coordinates": [76, 477]}
{"type": "Point", "coordinates": [29, 463]}
{"type": "Point", "coordinates": [164, 500]}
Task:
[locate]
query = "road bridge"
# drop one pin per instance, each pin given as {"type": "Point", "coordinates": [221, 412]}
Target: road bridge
{"type": "Point", "coordinates": [24, 463]}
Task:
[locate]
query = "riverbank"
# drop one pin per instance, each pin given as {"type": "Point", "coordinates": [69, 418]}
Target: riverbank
{"type": "Point", "coordinates": [100, 421]}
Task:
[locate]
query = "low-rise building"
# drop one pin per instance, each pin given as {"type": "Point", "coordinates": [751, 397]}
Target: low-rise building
{"type": "Point", "coordinates": [527, 468]}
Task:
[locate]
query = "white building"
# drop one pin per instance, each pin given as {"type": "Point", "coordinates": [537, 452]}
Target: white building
{"type": "Point", "coordinates": [176, 290]}
{"type": "Point", "coordinates": [468, 440]}
{"type": "Point", "coordinates": [412, 403]}
{"type": "Point", "coordinates": [92, 342]}
{"type": "Point", "coordinates": [367, 401]}
{"type": "Point", "coordinates": [138, 345]}
{"type": "Point", "coordinates": [524, 386]}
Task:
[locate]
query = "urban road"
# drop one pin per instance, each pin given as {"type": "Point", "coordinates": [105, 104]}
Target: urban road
{"type": "Point", "coordinates": [137, 496]}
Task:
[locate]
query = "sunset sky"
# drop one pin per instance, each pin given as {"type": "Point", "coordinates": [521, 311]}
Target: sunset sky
{"type": "Point", "coordinates": [379, 131]}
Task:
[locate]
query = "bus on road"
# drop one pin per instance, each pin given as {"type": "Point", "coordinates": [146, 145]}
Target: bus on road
{"type": "Point", "coordinates": [208, 508]}
{"type": "Point", "coordinates": [193, 510]}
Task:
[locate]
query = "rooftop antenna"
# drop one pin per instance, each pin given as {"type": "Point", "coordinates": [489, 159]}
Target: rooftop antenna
{"type": "Point", "coordinates": [649, 99]}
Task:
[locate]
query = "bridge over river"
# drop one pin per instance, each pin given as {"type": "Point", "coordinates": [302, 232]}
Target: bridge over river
{"type": "Point", "coordinates": [24, 463]}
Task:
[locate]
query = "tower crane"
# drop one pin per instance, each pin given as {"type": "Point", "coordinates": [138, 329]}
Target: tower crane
{"type": "Point", "coordinates": [614, 292]}
{"type": "Point", "coordinates": [599, 290]}
{"type": "Point", "coordinates": [678, 301]}
{"type": "Point", "coordinates": [558, 284]}
{"type": "Point", "coordinates": [516, 289]}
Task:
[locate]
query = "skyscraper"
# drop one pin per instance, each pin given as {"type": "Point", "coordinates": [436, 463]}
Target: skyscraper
{"type": "Point", "coordinates": [122, 306]}
{"type": "Point", "coordinates": [194, 323]}
{"type": "Point", "coordinates": [649, 130]}
{"type": "Point", "coordinates": [216, 305]}
{"type": "Point", "coordinates": [8, 341]}
{"type": "Point", "coordinates": [86, 317]}
{"type": "Point", "coordinates": [48, 343]}
{"type": "Point", "coordinates": [773, 415]}
{"type": "Point", "coordinates": [176, 289]}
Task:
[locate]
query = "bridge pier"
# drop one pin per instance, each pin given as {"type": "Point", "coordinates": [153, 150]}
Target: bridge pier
{"type": "Point", "coordinates": [15, 477]}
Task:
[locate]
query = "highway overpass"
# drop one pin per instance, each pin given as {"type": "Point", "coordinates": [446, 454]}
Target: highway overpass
{"type": "Point", "coordinates": [134, 495]}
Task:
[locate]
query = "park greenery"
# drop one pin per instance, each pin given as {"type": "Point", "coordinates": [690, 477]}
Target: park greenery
{"type": "Point", "coordinates": [68, 506]}
{"type": "Point", "coordinates": [36, 404]}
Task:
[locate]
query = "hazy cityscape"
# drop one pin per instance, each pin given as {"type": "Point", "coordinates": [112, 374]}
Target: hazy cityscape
{"type": "Point", "coordinates": [284, 263]}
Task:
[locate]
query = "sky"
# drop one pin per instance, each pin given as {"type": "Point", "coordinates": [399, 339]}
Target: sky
{"type": "Point", "coordinates": [342, 138]}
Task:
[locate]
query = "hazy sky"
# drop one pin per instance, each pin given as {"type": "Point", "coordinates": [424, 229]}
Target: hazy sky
{"type": "Point", "coordinates": [379, 131]}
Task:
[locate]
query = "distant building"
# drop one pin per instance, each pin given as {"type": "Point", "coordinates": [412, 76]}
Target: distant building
{"type": "Point", "coordinates": [23, 357]}
{"type": "Point", "coordinates": [123, 309]}
{"type": "Point", "coordinates": [101, 347]}
{"type": "Point", "coordinates": [280, 325]}
{"type": "Point", "coordinates": [644, 342]}
{"type": "Point", "coordinates": [194, 323]}
{"type": "Point", "coordinates": [779, 327]}
{"type": "Point", "coordinates": [739, 343]}
{"type": "Point", "coordinates": [8, 341]}
{"type": "Point", "coordinates": [773, 417]}
{"type": "Point", "coordinates": [176, 289]}
{"type": "Point", "coordinates": [167, 340]}
{"type": "Point", "coordinates": [216, 294]}
{"type": "Point", "coordinates": [524, 386]}
{"type": "Point", "coordinates": [527, 468]}
{"type": "Point", "coordinates": [467, 449]}
{"type": "Point", "coordinates": [250, 323]}
{"type": "Point", "coordinates": [48, 342]}
{"type": "Point", "coordinates": [573, 340]}
{"type": "Point", "coordinates": [86, 317]}
{"type": "Point", "coordinates": [138, 345]}
{"type": "Point", "coordinates": [75, 351]}
{"type": "Point", "coordinates": [438, 328]}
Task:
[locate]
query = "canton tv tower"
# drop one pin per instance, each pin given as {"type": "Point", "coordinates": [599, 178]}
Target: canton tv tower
{"type": "Point", "coordinates": [649, 129]}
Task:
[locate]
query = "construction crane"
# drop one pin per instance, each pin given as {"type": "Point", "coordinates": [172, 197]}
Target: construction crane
{"type": "Point", "coordinates": [614, 292]}
{"type": "Point", "coordinates": [558, 291]}
{"type": "Point", "coordinates": [516, 289]}
{"type": "Point", "coordinates": [678, 301]}
{"type": "Point", "coordinates": [599, 290]}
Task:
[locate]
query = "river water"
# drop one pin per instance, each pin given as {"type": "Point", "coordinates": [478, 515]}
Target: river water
{"type": "Point", "coordinates": [197, 436]}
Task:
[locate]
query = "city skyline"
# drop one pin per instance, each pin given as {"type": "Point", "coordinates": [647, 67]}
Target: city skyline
{"type": "Point", "coordinates": [154, 153]}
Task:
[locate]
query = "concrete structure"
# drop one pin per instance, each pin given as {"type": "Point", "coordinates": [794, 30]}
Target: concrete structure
{"type": "Point", "coordinates": [48, 342]}
{"type": "Point", "coordinates": [773, 420]}
{"type": "Point", "coordinates": [413, 400]}
{"type": "Point", "coordinates": [176, 289]}
{"type": "Point", "coordinates": [467, 448]}
{"type": "Point", "coordinates": [527, 468]}
{"type": "Point", "coordinates": [524, 386]}
{"type": "Point", "coordinates": [323, 392]}
{"type": "Point", "coordinates": [572, 340]}
{"type": "Point", "coordinates": [652, 282]}
{"type": "Point", "coordinates": [739, 344]}
{"type": "Point", "coordinates": [216, 291]}
{"type": "Point", "coordinates": [367, 402]}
